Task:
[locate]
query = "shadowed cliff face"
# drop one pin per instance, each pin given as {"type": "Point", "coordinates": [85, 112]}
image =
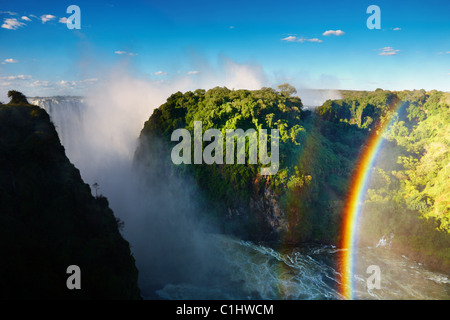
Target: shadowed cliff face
{"type": "Point", "coordinates": [49, 220]}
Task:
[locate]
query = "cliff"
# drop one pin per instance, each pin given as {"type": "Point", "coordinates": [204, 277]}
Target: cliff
{"type": "Point", "coordinates": [49, 219]}
{"type": "Point", "coordinates": [297, 203]}
{"type": "Point", "coordinates": [407, 195]}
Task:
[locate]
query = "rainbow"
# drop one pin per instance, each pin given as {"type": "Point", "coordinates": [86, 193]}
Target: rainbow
{"type": "Point", "coordinates": [352, 208]}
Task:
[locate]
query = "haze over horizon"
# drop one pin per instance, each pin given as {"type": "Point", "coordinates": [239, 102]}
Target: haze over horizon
{"type": "Point", "coordinates": [319, 45]}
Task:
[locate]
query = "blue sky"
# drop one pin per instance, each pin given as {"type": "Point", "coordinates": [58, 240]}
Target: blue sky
{"type": "Point", "coordinates": [312, 44]}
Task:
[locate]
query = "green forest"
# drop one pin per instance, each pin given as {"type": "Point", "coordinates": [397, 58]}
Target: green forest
{"type": "Point", "coordinates": [408, 195]}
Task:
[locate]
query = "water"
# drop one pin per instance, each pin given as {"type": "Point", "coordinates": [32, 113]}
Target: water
{"type": "Point", "coordinates": [251, 271]}
{"type": "Point", "coordinates": [232, 269]}
{"type": "Point", "coordinates": [401, 277]}
{"type": "Point", "coordinates": [309, 272]}
{"type": "Point", "coordinates": [68, 115]}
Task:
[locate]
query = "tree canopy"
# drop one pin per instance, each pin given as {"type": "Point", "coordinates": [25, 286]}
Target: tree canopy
{"type": "Point", "coordinates": [17, 97]}
{"type": "Point", "coordinates": [409, 190]}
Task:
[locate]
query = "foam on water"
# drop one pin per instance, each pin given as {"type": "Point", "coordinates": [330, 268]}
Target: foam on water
{"type": "Point", "coordinates": [262, 272]}
{"type": "Point", "coordinates": [258, 271]}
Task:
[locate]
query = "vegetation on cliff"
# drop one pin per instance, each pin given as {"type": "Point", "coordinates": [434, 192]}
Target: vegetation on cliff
{"type": "Point", "coordinates": [408, 195]}
{"type": "Point", "coordinates": [309, 186]}
{"type": "Point", "coordinates": [410, 188]}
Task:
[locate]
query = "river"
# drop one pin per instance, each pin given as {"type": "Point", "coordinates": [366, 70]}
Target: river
{"type": "Point", "coordinates": [256, 271]}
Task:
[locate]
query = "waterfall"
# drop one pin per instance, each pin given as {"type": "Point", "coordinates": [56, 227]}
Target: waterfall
{"type": "Point", "coordinates": [67, 114]}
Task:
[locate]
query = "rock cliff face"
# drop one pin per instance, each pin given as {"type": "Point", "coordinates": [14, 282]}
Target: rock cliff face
{"type": "Point", "coordinates": [266, 205]}
{"type": "Point", "coordinates": [49, 219]}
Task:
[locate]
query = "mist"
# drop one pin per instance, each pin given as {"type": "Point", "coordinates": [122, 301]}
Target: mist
{"type": "Point", "coordinates": [170, 241]}
{"type": "Point", "coordinates": [313, 98]}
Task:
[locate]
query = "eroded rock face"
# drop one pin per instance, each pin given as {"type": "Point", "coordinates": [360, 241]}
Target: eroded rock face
{"type": "Point", "coordinates": [269, 208]}
{"type": "Point", "coordinates": [261, 217]}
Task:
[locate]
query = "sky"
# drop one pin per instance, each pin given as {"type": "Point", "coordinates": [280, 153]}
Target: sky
{"type": "Point", "coordinates": [310, 44]}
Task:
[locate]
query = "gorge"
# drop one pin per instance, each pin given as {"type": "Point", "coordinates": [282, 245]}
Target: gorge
{"type": "Point", "coordinates": [209, 231]}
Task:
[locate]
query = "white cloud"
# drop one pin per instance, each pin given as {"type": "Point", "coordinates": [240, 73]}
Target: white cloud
{"type": "Point", "coordinates": [232, 27]}
{"type": "Point", "coordinates": [62, 20]}
{"type": "Point", "coordinates": [11, 60]}
{"type": "Point", "coordinates": [388, 51]}
{"type": "Point", "coordinates": [47, 17]}
{"type": "Point", "coordinates": [160, 73]}
{"type": "Point", "coordinates": [125, 52]}
{"type": "Point", "coordinates": [61, 84]}
{"type": "Point", "coordinates": [40, 83]}
{"type": "Point", "coordinates": [310, 40]}
{"type": "Point", "coordinates": [397, 29]}
{"type": "Point", "coordinates": [9, 12]}
{"type": "Point", "coordinates": [18, 77]}
{"type": "Point", "coordinates": [333, 32]}
{"type": "Point", "coordinates": [89, 80]}
{"type": "Point", "coordinates": [65, 83]}
{"type": "Point", "coordinates": [295, 39]}
{"type": "Point", "coordinates": [193, 72]}
{"type": "Point", "coordinates": [289, 39]}
{"type": "Point", "coordinates": [25, 18]}
{"type": "Point", "coordinates": [12, 24]}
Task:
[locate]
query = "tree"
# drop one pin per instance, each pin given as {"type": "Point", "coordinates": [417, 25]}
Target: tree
{"type": "Point", "coordinates": [96, 187]}
{"type": "Point", "coordinates": [17, 97]}
{"type": "Point", "coordinates": [286, 89]}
